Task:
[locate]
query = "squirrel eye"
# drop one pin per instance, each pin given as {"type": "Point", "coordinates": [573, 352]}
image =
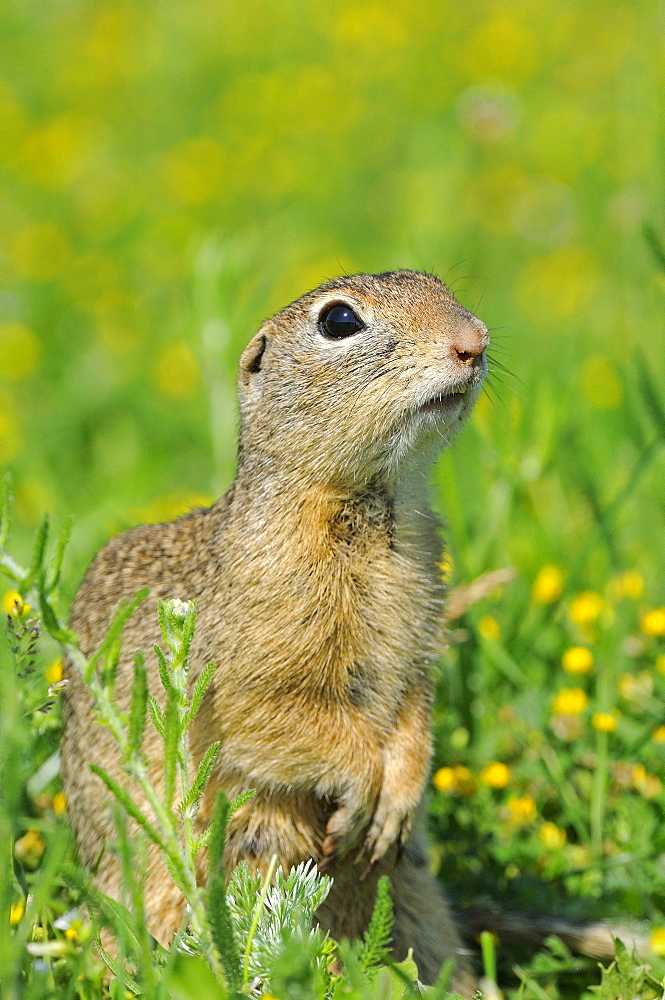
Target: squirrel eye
{"type": "Point", "coordinates": [339, 321]}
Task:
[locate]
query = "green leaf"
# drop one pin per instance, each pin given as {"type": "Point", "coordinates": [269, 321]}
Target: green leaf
{"type": "Point", "coordinates": [200, 689]}
{"type": "Point", "coordinates": [221, 925]}
{"type": "Point", "coordinates": [156, 715]}
{"type": "Point", "coordinates": [55, 568]}
{"type": "Point", "coordinates": [38, 549]}
{"type": "Point", "coordinates": [114, 633]}
{"type": "Point", "coordinates": [6, 508]}
{"type": "Point", "coordinates": [52, 623]}
{"type": "Point", "coordinates": [202, 776]}
{"type": "Point", "coordinates": [171, 738]}
{"type": "Point", "coordinates": [164, 670]}
{"type": "Point", "coordinates": [190, 978]}
{"type": "Point", "coordinates": [217, 839]}
{"type": "Point", "coordinates": [376, 940]}
{"type": "Point", "coordinates": [128, 804]}
{"type": "Point", "coordinates": [139, 704]}
{"type": "Point", "coordinates": [241, 799]}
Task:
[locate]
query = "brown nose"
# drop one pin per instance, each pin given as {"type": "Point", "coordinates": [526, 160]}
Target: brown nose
{"type": "Point", "coordinates": [469, 341]}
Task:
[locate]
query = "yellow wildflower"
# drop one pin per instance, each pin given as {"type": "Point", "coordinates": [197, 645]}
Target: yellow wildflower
{"type": "Point", "coordinates": [586, 607]}
{"type": "Point", "coordinates": [570, 701]}
{"type": "Point", "coordinates": [10, 602]}
{"type": "Point", "coordinates": [457, 780]}
{"type": "Point", "coordinates": [59, 803]}
{"type": "Point", "coordinates": [444, 779]}
{"type": "Point", "coordinates": [552, 836]}
{"type": "Point", "coordinates": [522, 809]}
{"type": "Point", "coordinates": [548, 585]}
{"type": "Point", "coordinates": [53, 674]}
{"type": "Point", "coordinates": [16, 911]}
{"type": "Point", "coordinates": [489, 627]}
{"type": "Point", "coordinates": [658, 735]}
{"type": "Point", "coordinates": [446, 566]}
{"type": "Point", "coordinates": [495, 775]}
{"type": "Point", "coordinates": [29, 849]}
{"type": "Point", "coordinates": [653, 622]}
{"type": "Point", "coordinates": [577, 660]}
{"type": "Point", "coordinates": [657, 940]}
{"type": "Point", "coordinates": [648, 785]}
{"type": "Point", "coordinates": [604, 722]}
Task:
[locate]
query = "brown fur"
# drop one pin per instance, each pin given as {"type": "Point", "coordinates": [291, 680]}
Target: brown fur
{"type": "Point", "coordinates": [320, 603]}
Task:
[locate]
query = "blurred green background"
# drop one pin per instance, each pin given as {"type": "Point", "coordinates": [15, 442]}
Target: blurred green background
{"type": "Point", "coordinates": [173, 172]}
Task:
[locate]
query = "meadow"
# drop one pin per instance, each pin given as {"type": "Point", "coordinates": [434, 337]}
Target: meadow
{"type": "Point", "coordinates": [170, 175]}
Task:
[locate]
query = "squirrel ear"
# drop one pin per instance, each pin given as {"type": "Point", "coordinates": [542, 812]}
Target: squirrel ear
{"type": "Point", "coordinates": [251, 358]}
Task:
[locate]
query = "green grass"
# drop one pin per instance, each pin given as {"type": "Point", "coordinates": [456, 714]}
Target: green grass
{"type": "Point", "coordinates": [170, 175]}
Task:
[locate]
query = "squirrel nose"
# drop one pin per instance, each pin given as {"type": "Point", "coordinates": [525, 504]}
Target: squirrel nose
{"type": "Point", "coordinates": [469, 341]}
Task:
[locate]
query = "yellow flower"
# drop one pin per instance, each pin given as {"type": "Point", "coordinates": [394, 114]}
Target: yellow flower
{"type": "Point", "coordinates": [653, 622]}
{"type": "Point", "coordinates": [586, 607]}
{"type": "Point", "coordinates": [59, 803]}
{"type": "Point", "coordinates": [29, 849]}
{"type": "Point", "coordinates": [577, 660]}
{"type": "Point", "coordinates": [648, 785]}
{"type": "Point", "coordinates": [489, 627]}
{"type": "Point", "coordinates": [10, 602]}
{"type": "Point", "coordinates": [570, 701]}
{"type": "Point", "coordinates": [457, 780]}
{"type": "Point", "coordinates": [444, 779]}
{"type": "Point", "coordinates": [657, 941]}
{"type": "Point", "coordinates": [658, 735]}
{"type": "Point", "coordinates": [495, 774]}
{"type": "Point", "coordinates": [548, 585]}
{"type": "Point", "coordinates": [522, 809]}
{"type": "Point", "coordinates": [660, 663]}
{"type": "Point", "coordinates": [53, 674]}
{"type": "Point", "coordinates": [16, 911]}
{"type": "Point", "coordinates": [446, 566]}
{"type": "Point", "coordinates": [552, 836]}
{"type": "Point", "coordinates": [604, 722]}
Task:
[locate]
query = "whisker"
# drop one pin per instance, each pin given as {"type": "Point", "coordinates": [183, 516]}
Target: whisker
{"type": "Point", "coordinates": [506, 385]}
{"type": "Point", "coordinates": [495, 363]}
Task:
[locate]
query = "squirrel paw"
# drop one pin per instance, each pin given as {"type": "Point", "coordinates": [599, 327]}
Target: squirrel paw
{"type": "Point", "coordinates": [341, 831]}
{"type": "Point", "coordinates": [389, 826]}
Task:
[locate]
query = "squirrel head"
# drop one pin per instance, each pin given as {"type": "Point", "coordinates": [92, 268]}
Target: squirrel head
{"type": "Point", "coordinates": [344, 384]}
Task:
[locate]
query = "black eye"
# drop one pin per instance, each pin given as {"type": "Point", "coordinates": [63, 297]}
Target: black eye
{"type": "Point", "coordinates": [339, 321]}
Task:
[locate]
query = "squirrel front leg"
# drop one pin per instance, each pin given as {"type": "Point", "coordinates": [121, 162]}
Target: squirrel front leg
{"type": "Point", "coordinates": [406, 756]}
{"type": "Point", "coordinates": [406, 766]}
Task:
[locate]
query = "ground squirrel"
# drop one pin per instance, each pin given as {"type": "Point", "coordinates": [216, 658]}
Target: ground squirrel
{"type": "Point", "coordinates": [319, 600]}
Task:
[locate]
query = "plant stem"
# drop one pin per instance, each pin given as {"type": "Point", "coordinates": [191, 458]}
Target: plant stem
{"type": "Point", "coordinates": [256, 916]}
